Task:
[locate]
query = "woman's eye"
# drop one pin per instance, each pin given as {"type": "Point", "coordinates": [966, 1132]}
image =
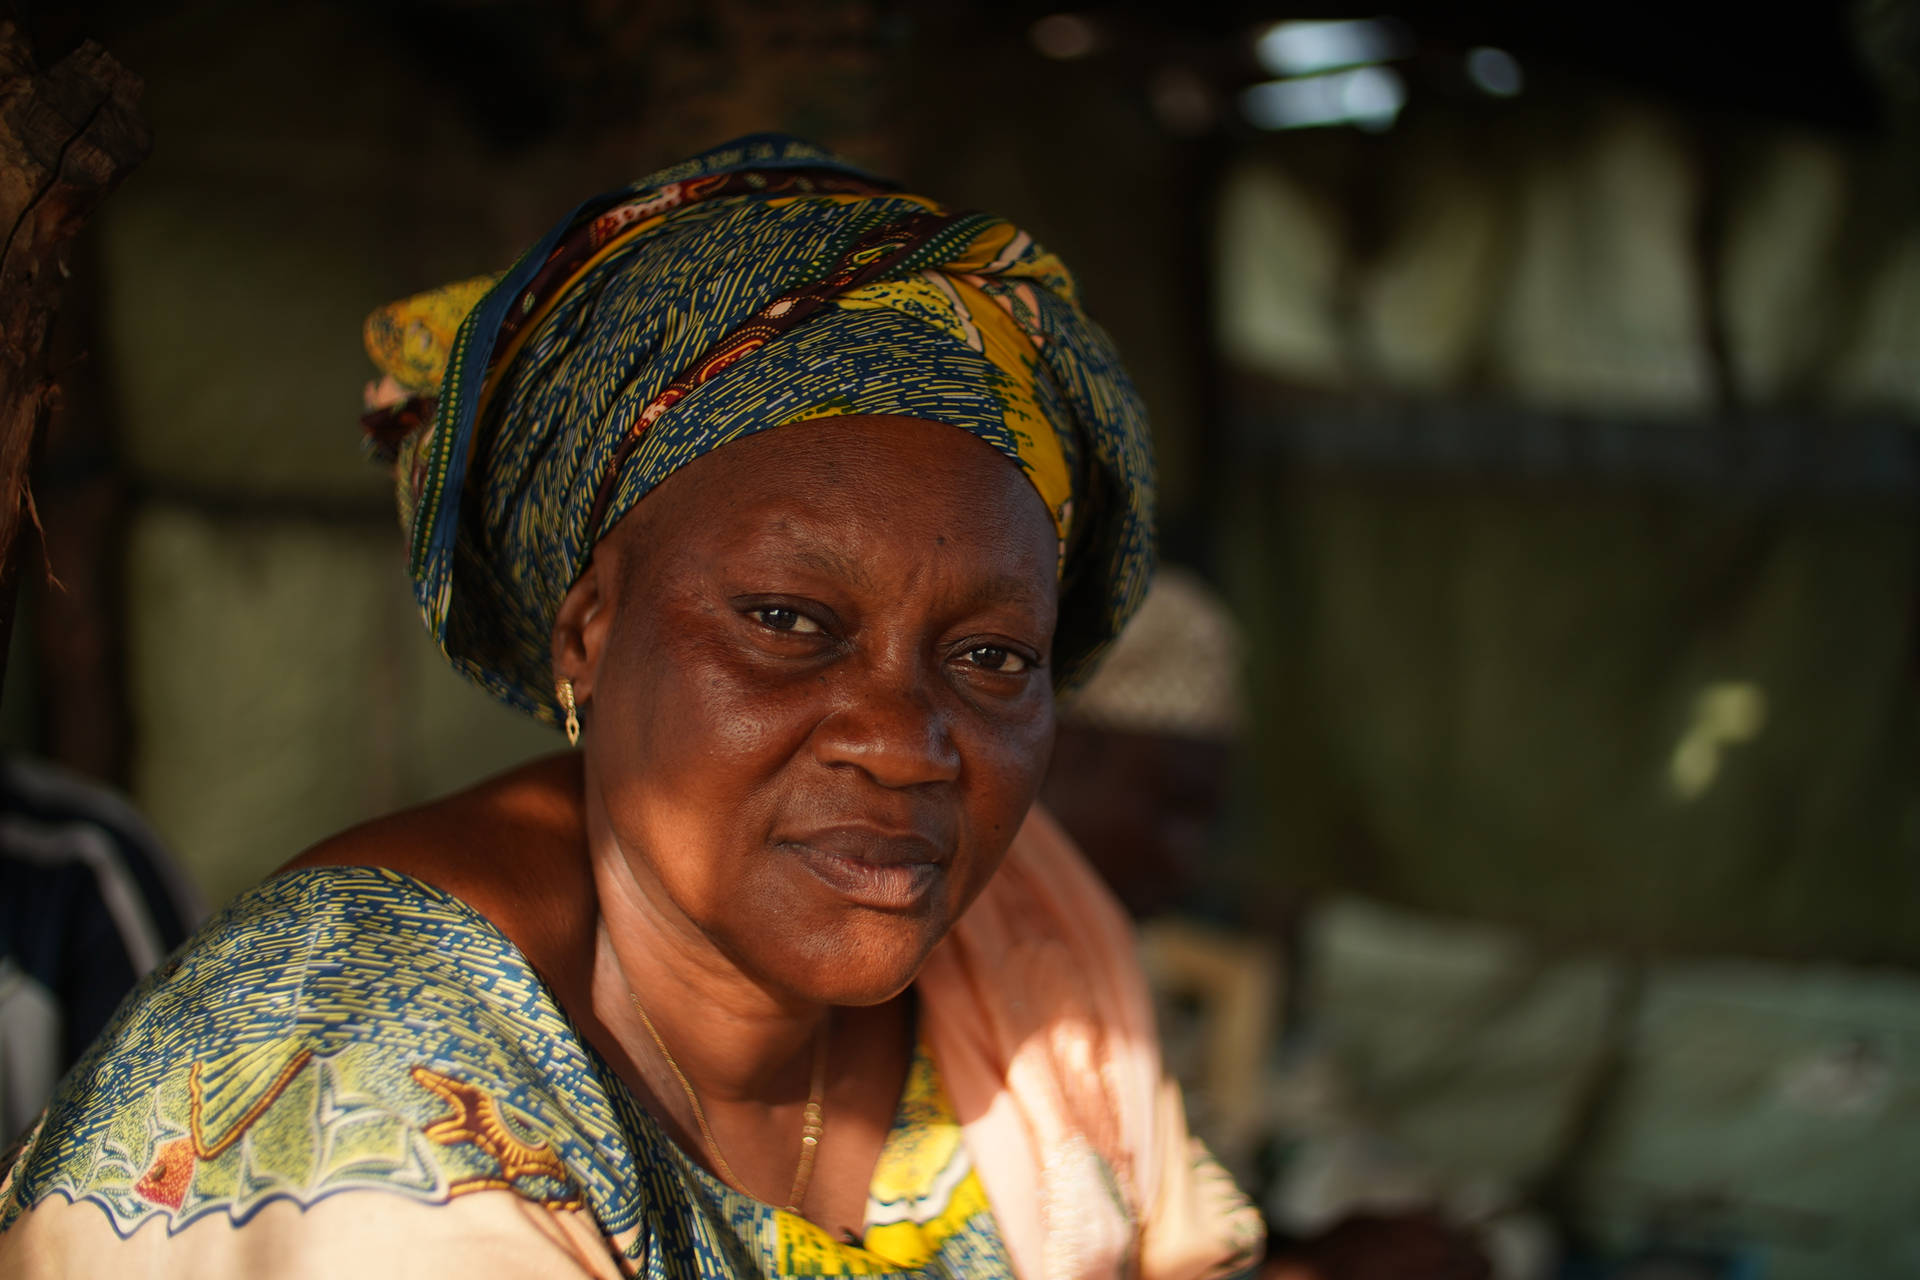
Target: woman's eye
{"type": "Point", "coordinates": [993, 658]}
{"type": "Point", "coordinates": [775, 618]}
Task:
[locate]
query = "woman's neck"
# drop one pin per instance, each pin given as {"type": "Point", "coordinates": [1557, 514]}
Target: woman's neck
{"type": "Point", "coordinates": [735, 1064]}
{"type": "Point", "coordinates": [733, 1039]}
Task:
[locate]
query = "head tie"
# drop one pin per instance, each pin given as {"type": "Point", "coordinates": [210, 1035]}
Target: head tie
{"type": "Point", "coordinates": [760, 284]}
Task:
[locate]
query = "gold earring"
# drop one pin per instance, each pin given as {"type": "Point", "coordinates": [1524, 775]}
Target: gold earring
{"type": "Point", "coordinates": [573, 716]}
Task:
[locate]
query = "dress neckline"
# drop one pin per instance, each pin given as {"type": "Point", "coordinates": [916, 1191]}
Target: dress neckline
{"type": "Point", "coordinates": [922, 1087]}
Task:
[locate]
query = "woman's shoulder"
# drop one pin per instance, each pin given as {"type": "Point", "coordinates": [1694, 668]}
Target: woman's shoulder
{"type": "Point", "coordinates": [338, 1027]}
{"type": "Point", "coordinates": [512, 848]}
{"type": "Point", "coordinates": [485, 844]}
{"type": "Point", "coordinates": [312, 962]}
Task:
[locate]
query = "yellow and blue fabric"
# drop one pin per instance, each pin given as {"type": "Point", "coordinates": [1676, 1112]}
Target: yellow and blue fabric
{"type": "Point", "coordinates": [352, 1029]}
{"type": "Point", "coordinates": [760, 284]}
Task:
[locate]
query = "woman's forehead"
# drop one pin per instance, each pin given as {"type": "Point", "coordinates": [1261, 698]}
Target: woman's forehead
{"type": "Point", "coordinates": [837, 493]}
{"type": "Point", "coordinates": [929, 461]}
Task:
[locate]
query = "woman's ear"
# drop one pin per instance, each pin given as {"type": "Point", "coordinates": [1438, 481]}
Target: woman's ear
{"type": "Point", "coordinates": [580, 627]}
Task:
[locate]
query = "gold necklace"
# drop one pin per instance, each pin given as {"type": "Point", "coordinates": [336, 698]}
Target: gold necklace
{"type": "Point", "coordinates": [812, 1120]}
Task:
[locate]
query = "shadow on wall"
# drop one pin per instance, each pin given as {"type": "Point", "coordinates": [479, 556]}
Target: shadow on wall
{"type": "Point", "coordinates": [1578, 513]}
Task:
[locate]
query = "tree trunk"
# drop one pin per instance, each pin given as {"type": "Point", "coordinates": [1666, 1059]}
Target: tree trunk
{"type": "Point", "coordinates": [67, 137]}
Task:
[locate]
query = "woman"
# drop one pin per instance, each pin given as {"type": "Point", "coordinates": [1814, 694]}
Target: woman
{"type": "Point", "coordinates": [752, 983]}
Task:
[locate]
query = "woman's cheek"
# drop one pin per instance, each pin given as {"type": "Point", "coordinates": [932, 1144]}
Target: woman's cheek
{"type": "Point", "coordinates": [1019, 765]}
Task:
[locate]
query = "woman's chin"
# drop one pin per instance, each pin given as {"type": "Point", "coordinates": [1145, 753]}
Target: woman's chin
{"type": "Point", "coordinates": [859, 996]}
{"type": "Point", "coordinates": [864, 966]}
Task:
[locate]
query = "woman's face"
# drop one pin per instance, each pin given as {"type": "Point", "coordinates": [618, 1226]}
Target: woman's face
{"type": "Point", "coordinates": [817, 705]}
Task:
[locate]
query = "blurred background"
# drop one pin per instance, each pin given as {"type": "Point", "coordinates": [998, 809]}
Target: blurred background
{"type": "Point", "coordinates": [1539, 418]}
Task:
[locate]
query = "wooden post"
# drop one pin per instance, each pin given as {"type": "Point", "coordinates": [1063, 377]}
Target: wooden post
{"type": "Point", "coordinates": [67, 137]}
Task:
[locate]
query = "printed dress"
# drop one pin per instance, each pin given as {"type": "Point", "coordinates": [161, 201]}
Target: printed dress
{"type": "Point", "coordinates": [351, 1068]}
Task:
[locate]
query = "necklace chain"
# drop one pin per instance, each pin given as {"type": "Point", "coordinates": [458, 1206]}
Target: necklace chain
{"type": "Point", "coordinates": [812, 1119]}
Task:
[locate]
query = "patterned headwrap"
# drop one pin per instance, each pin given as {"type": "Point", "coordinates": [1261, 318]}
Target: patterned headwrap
{"type": "Point", "coordinates": [762, 283]}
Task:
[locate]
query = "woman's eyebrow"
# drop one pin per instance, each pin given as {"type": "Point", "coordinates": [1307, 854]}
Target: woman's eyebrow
{"type": "Point", "coordinates": [1019, 588]}
{"type": "Point", "coordinates": [832, 562]}
{"type": "Point", "coordinates": [827, 561]}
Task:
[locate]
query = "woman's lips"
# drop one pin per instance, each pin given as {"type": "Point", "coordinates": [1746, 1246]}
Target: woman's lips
{"type": "Point", "coordinates": [870, 868]}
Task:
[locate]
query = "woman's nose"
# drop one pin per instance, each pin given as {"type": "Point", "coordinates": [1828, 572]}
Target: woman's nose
{"type": "Point", "coordinates": [889, 724]}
